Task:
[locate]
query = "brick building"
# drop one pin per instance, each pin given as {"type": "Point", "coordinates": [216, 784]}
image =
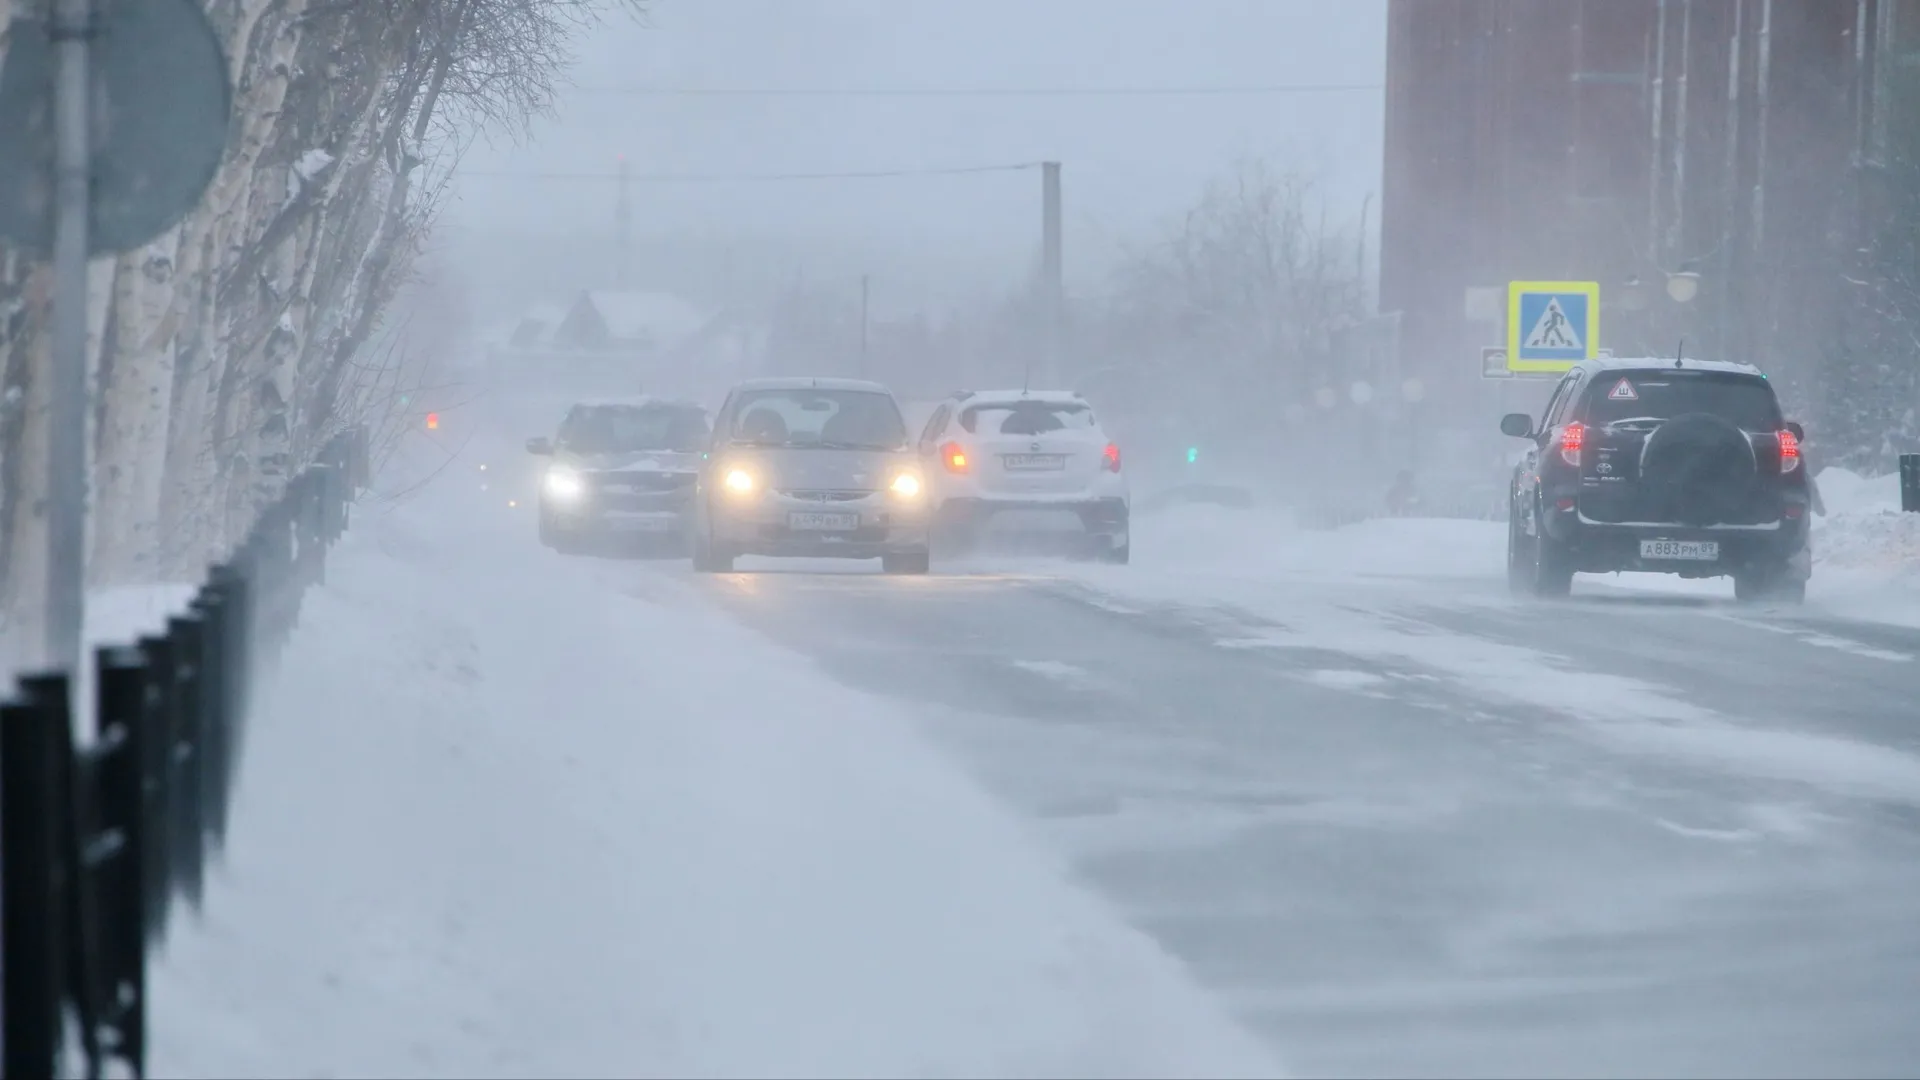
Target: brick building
{"type": "Point", "coordinates": [1749, 142]}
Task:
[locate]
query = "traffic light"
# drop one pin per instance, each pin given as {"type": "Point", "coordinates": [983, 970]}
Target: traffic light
{"type": "Point", "coordinates": [1193, 454]}
{"type": "Point", "coordinates": [433, 421]}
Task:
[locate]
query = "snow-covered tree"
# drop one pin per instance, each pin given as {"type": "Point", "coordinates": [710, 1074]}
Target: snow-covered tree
{"type": "Point", "coordinates": [230, 348]}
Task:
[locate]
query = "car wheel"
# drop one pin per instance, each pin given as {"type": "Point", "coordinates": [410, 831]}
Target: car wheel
{"type": "Point", "coordinates": [1552, 567]}
{"type": "Point", "coordinates": [1769, 585]}
{"type": "Point", "coordinates": [918, 562]}
{"type": "Point", "coordinates": [1519, 555]}
{"type": "Point", "coordinates": [707, 556]}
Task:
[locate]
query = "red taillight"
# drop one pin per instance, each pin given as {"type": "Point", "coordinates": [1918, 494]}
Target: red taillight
{"type": "Point", "coordinates": [1573, 438]}
{"type": "Point", "coordinates": [1112, 457]}
{"type": "Point", "coordinates": [1789, 451]}
{"type": "Point", "coordinates": [954, 457]}
{"type": "Point", "coordinates": [1794, 511]}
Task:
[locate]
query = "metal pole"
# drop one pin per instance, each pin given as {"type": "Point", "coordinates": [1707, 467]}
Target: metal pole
{"type": "Point", "coordinates": [863, 326]}
{"type": "Point", "coordinates": [622, 219]}
{"type": "Point", "coordinates": [67, 465]}
{"type": "Point", "coordinates": [1052, 273]}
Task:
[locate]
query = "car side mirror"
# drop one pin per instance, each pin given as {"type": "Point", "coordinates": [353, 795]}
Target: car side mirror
{"type": "Point", "coordinates": [541, 447]}
{"type": "Point", "coordinates": [1798, 431]}
{"type": "Point", "coordinates": [1519, 425]}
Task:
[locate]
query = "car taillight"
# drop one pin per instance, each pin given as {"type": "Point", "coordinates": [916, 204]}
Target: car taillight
{"type": "Point", "coordinates": [1789, 451]}
{"type": "Point", "coordinates": [1573, 438]}
{"type": "Point", "coordinates": [1111, 456]}
{"type": "Point", "coordinates": [954, 457]}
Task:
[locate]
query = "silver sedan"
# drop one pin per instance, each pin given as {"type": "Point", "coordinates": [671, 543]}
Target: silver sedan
{"type": "Point", "coordinates": [811, 468]}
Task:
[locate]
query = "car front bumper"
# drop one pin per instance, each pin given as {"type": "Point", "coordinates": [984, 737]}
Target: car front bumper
{"type": "Point", "coordinates": [766, 524]}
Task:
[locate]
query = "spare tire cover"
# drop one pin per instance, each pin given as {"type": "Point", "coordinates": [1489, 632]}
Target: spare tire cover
{"type": "Point", "coordinates": [1699, 469]}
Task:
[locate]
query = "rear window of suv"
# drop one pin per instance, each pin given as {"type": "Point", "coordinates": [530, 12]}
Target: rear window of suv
{"type": "Point", "coordinates": [1744, 400]}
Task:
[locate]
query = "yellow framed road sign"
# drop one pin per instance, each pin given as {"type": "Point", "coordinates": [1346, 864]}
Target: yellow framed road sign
{"type": "Point", "coordinates": [1551, 325]}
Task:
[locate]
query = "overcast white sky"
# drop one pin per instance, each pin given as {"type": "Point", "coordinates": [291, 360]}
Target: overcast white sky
{"type": "Point", "coordinates": [1130, 162]}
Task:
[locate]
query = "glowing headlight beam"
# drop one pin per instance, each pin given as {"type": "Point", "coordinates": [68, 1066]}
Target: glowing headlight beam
{"type": "Point", "coordinates": [906, 485]}
{"type": "Point", "coordinates": [738, 481]}
{"type": "Point", "coordinates": [565, 484]}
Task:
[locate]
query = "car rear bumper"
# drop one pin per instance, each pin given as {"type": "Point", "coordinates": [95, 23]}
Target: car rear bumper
{"type": "Point", "coordinates": [1101, 514]}
{"type": "Point", "coordinates": [1607, 548]}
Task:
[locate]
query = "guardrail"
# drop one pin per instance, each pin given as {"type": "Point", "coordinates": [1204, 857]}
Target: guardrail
{"type": "Point", "coordinates": [100, 836]}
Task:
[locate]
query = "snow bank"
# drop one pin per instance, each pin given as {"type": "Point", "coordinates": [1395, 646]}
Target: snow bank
{"type": "Point", "coordinates": [1866, 552]}
{"type": "Point", "coordinates": [509, 815]}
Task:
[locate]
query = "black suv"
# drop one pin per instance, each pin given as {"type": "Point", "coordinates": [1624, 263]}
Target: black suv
{"type": "Point", "coordinates": [1669, 466]}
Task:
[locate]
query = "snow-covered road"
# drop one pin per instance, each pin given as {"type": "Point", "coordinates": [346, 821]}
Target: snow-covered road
{"type": "Point", "coordinates": [1327, 801]}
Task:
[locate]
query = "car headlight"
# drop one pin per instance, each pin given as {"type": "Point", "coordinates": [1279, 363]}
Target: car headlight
{"type": "Point", "coordinates": [906, 485]}
{"type": "Point", "coordinates": [565, 484]}
{"type": "Point", "coordinates": [738, 482]}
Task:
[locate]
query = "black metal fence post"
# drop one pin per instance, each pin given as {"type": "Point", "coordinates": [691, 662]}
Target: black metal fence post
{"type": "Point", "coordinates": [1910, 483]}
{"type": "Point", "coordinates": [33, 914]}
{"type": "Point", "coordinates": [123, 852]}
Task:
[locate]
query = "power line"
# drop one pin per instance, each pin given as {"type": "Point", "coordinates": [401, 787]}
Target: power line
{"type": "Point", "coordinates": [714, 178]}
{"type": "Point", "coordinates": [982, 92]}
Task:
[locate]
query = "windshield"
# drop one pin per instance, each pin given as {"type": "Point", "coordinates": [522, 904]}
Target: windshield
{"type": "Point", "coordinates": [1027, 418]}
{"type": "Point", "coordinates": [829, 419]}
{"type": "Point", "coordinates": [1652, 396]}
{"type": "Point", "coordinates": [633, 429]}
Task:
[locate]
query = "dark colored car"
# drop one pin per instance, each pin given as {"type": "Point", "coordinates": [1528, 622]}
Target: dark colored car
{"type": "Point", "coordinates": [620, 469]}
{"type": "Point", "coordinates": [1665, 466]}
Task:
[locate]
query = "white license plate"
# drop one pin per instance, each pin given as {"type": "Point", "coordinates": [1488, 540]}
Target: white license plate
{"type": "Point", "coordinates": [1688, 550]}
{"type": "Point", "coordinates": [1034, 462]}
{"type": "Point", "coordinates": [814, 521]}
{"type": "Point", "coordinates": [651, 524]}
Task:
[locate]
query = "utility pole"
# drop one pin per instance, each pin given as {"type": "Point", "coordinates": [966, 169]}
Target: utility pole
{"type": "Point", "coordinates": [863, 325]}
{"type": "Point", "coordinates": [622, 220]}
{"type": "Point", "coordinates": [68, 470]}
{"type": "Point", "coordinates": [1052, 280]}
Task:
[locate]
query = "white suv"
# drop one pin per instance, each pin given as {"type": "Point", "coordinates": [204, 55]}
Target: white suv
{"type": "Point", "coordinates": [989, 451]}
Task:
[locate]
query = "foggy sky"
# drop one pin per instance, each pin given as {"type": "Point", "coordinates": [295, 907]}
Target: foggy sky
{"type": "Point", "coordinates": [1130, 163]}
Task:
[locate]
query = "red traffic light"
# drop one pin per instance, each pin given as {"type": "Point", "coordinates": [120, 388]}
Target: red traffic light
{"type": "Point", "coordinates": [433, 421]}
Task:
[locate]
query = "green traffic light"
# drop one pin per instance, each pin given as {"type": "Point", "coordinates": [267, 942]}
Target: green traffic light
{"type": "Point", "coordinates": [1193, 454]}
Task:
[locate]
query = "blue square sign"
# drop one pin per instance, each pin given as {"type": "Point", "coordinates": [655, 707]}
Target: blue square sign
{"type": "Point", "coordinates": [1551, 324]}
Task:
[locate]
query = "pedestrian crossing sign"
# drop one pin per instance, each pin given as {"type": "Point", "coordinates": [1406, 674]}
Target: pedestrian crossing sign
{"type": "Point", "coordinates": [1552, 324]}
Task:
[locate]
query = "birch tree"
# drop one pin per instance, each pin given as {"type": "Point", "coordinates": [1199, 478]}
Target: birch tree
{"type": "Point", "coordinates": [226, 350]}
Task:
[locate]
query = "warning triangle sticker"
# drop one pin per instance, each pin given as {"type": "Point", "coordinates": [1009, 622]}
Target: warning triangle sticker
{"type": "Point", "coordinates": [1623, 391]}
{"type": "Point", "coordinates": [1553, 330]}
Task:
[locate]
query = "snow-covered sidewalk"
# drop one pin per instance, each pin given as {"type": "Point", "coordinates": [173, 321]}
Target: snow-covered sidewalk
{"type": "Point", "coordinates": [511, 815]}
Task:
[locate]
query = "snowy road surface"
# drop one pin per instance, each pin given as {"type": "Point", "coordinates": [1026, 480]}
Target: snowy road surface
{"type": "Point", "coordinates": [1328, 803]}
{"type": "Point", "coordinates": [1635, 835]}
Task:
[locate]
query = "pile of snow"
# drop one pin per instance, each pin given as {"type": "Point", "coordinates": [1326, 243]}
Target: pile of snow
{"type": "Point", "coordinates": [505, 814]}
{"type": "Point", "coordinates": [1864, 528]}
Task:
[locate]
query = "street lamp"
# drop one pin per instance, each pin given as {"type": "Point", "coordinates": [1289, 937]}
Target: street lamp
{"type": "Point", "coordinates": [1683, 286]}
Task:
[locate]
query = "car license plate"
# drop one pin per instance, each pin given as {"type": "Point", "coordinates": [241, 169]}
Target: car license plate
{"type": "Point", "coordinates": [653, 524]}
{"type": "Point", "coordinates": [1690, 550]}
{"type": "Point", "coordinates": [1034, 462]}
{"type": "Point", "coordinates": [815, 521]}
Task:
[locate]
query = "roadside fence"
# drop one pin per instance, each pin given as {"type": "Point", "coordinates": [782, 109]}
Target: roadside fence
{"type": "Point", "coordinates": [104, 828]}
